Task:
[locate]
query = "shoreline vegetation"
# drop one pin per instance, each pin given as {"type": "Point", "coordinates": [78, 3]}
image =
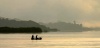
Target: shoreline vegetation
{"type": "Point", "coordinates": [20, 30]}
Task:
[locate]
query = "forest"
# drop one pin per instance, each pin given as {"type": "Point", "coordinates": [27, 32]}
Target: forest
{"type": "Point", "coordinates": [20, 30]}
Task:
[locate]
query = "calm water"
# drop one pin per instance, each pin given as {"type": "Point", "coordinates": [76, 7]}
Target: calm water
{"type": "Point", "coordinates": [52, 40]}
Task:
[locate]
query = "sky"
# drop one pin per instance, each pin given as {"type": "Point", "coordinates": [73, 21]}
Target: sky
{"type": "Point", "coordinates": [86, 12]}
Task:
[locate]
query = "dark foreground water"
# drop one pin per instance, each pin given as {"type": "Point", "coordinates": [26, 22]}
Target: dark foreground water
{"type": "Point", "coordinates": [52, 40]}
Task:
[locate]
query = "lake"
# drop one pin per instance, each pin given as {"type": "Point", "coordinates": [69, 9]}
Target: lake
{"type": "Point", "coordinates": [52, 40]}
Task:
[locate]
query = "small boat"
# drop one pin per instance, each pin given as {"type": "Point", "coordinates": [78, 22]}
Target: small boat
{"type": "Point", "coordinates": [37, 38]}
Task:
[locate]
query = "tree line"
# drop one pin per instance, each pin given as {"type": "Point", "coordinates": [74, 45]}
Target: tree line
{"type": "Point", "coordinates": [20, 30]}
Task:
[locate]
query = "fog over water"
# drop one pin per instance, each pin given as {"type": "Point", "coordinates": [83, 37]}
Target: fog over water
{"type": "Point", "coordinates": [73, 15]}
{"type": "Point", "coordinates": [52, 40]}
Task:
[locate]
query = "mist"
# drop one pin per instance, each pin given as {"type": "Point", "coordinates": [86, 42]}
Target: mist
{"type": "Point", "coordinates": [86, 12]}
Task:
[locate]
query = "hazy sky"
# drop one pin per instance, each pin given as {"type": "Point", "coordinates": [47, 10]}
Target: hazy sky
{"type": "Point", "coordinates": [83, 11]}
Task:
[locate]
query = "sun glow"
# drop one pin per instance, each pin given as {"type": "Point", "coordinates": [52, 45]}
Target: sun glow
{"type": "Point", "coordinates": [91, 24]}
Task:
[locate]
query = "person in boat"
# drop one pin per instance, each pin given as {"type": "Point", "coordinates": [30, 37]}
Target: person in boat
{"type": "Point", "coordinates": [38, 38]}
{"type": "Point", "coordinates": [32, 38]}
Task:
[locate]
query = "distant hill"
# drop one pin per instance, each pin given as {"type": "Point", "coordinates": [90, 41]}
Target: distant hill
{"type": "Point", "coordinates": [6, 22]}
{"type": "Point", "coordinates": [70, 27]}
{"type": "Point", "coordinates": [63, 26]}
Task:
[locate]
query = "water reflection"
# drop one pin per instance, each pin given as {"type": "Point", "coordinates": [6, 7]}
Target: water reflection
{"type": "Point", "coordinates": [51, 40]}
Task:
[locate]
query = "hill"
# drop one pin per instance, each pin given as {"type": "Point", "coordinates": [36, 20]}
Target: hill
{"type": "Point", "coordinates": [6, 22]}
{"type": "Point", "coordinates": [63, 26]}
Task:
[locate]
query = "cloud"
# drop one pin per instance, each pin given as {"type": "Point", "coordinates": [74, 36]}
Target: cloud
{"type": "Point", "coordinates": [52, 10]}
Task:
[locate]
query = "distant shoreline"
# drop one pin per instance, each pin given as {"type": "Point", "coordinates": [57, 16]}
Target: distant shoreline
{"type": "Point", "coordinates": [20, 33]}
{"type": "Point", "coordinates": [20, 30]}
